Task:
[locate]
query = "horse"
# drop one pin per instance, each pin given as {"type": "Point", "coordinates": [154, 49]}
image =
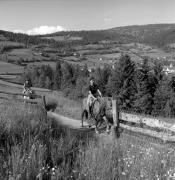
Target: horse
{"type": "Point", "coordinates": [28, 94]}
{"type": "Point", "coordinates": [100, 110]}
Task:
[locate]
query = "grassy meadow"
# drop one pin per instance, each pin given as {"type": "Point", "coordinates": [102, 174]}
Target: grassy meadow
{"type": "Point", "coordinates": [6, 68]}
{"type": "Point", "coordinates": [33, 146]}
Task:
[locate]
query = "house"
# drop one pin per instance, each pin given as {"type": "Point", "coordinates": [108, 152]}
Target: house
{"type": "Point", "coordinates": [169, 69]}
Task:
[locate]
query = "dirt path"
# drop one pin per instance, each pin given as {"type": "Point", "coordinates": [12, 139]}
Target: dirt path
{"type": "Point", "coordinates": [68, 122]}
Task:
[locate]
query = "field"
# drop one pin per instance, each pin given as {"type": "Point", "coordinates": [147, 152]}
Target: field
{"type": "Point", "coordinates": [64, 38]}
{"type": "Point", "coordinates": [90, 54]}
{"type": "Point", "coordinates": [50, 63]}
{"type": "Point", "coordinates": [24, 55]}
{"type": "Point", "coordinates": [8, 68]}
{"type": "Point", "coordinates": [10, 44]}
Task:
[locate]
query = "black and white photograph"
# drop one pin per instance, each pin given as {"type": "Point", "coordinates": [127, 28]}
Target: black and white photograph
{"type": "Point", "coordinates": [87, 89]}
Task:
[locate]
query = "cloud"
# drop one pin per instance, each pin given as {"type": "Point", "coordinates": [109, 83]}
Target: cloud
{"type": "Point", "coordinates": [41, 30]}
{"type": "Point", "coordinates": [19, 31]}
{"type": "Point", "coordinates": [107, 20]}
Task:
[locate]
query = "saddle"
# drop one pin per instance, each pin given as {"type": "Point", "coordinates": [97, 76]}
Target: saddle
{"type": "Point", "coordinates": [92, 106]}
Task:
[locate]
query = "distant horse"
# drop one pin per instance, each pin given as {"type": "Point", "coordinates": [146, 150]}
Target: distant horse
{"type": "Point", "coordinates": [99, 112]}
{"type": "Point", "coordinates": [28, 94]}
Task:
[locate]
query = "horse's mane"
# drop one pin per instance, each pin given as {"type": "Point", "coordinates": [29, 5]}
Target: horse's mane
{"type": "Point", "coordinates": [102, 105]}
{"type": "Point", "coordinates": [105, 102]}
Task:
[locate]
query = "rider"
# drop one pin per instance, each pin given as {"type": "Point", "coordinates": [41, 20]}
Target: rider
{"type": "Point", "coordinates": [27, 85]}
{"type": "Point", "coordinates": [93, 94]}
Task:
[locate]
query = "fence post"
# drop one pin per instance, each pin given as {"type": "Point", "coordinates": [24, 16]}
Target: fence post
{"type": "Point", "coordinates": [44, 103]}
{"type": "Point", "coordinates": [115, 113]}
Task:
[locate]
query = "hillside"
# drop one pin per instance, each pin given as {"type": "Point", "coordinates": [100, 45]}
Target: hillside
{"type": "Point", "coordinates": [157, 34]}
{"type": "Point", "coordinates": [154, 34]}
{"type": "Point", "coordinates": [98, 35]}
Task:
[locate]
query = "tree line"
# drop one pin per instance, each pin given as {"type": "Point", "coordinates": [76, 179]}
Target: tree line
{"type": "Point", "coordinates": [141, 88]}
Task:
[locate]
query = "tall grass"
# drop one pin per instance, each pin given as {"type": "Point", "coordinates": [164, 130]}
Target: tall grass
{"type": "Point", "coordinates": [32, 146]}
{"type": "Point", "coordinates": [126, 159]}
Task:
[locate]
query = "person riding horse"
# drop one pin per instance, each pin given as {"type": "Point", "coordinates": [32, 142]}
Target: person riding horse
{"type": "Point", "coordinates": [27, 89]}
{"type": "Point", "coordinates": [94, 108]}
{"type": "Point", "coordinates": [94, 93]}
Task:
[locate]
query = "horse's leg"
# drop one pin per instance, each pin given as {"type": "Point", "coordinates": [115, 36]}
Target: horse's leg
{"type": "Point", "coordinates": [82, 117]}
{"type": "Point", "coordinates": [84, 114]}
{"type": "Point", "coordinates": [96, 126]}
{"type": "Point", "coordinates": [107, 124]}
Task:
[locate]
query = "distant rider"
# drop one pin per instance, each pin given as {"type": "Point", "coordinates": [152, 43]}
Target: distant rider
{"type": "Point", "coordinates": [27, 85]}
{"type": "Point", "coordinates": [94, 92]}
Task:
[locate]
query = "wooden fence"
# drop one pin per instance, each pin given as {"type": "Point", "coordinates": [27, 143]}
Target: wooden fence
{"type": "Point", "coordinates": [37, 99]}
{"type": "Point", "coordinates": [149, 126]}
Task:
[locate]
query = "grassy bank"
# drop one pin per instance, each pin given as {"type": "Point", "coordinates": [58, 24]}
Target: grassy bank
{"type": "Point", "coordinates": [127, 159]}
{"type": "Point", "coordinates": [31, 146]}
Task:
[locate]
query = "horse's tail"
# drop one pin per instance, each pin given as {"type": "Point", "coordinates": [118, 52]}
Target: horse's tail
{"type": "Point", "coordinates": [84, 113]}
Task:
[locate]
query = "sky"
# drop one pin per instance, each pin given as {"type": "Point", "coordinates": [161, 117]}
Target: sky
{"type": "Point", "coordinates": [47, 16]}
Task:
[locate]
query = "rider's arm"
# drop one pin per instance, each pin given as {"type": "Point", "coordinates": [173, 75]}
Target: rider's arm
{"type": "Point", "coordinates": [91, 94]}
{"type": "Point", "coordinates": [99, 92]}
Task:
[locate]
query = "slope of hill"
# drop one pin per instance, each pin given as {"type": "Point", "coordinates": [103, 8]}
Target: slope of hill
{"type": "Point", "coordinates": [155, 34]}
{"type": "Point", "coordinates": [95, 36]}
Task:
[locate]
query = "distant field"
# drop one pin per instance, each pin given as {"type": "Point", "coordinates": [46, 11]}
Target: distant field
{"type": "Point", "coordinates": [2, 38]}
{"type": "Point", "coordinates": [11, 43]}
{"type": "Point", "coordinates": [64, 38]}
{"type": "Point", "coordinates": [10, 68]}
{"type": "Point", "coordinates": [21, 52]}
{"type": "Point", "coordinates": [10, 78]}
{"type": "Point", "coordinates": [24, 54]}
{"type": "Point", "coordinates": [52, 64]}
{"type": "Point", "coordinates": [155, 53]}
{"type": "Point", "coordinates": [71, 58]}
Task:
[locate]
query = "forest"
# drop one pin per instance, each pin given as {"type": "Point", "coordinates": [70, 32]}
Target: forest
{"type": "Point", "coordinates": [141, 89]}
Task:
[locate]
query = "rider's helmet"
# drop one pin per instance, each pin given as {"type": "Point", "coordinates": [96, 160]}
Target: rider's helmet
{"type": "Point", "coordinates": [91, 80]}
{"type": "Point", "coordinates": [27, 84]}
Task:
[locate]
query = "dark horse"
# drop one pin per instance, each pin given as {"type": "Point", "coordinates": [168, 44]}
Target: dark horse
{"type": "Point", "coordinates": [99, 112]}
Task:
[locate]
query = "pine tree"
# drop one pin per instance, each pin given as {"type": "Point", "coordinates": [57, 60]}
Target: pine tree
{"type": "Point", "coordinates": [67, 77]}
{"type": "Point", "coordinates": [102, 75]}
{"type": "Point", "coordinates": [35, 75]}
{"type": "Point", "coordinates": [122, 83]}
{"type": "Point", "coordinates": [81, 84]}
{"type": "Point", "coordinates": [161, 96]}
{"type": "Point", "coordinates": [170, 103]}
{"type": "Point", "coordinates": [146, 88]}
{"type": "Point", "coordinates": [85, 72]}
{"type": "Point", "coordinates": [57, 76]}
{"type": "Point", "coordinates": [42, 80]}
{"type": "Point", "coordinates": [48, 83]}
